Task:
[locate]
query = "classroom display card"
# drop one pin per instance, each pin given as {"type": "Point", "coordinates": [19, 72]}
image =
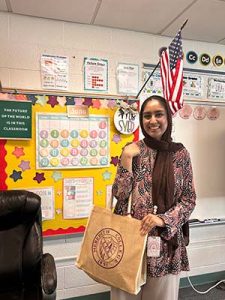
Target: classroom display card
{"type": "Point", "coordinates": [95, 74]}
{"type": "Point", "coordinates": [54, 72]}
{"type": "Point", "coordinates": [77, 197]}
{"type": "Point", "coordinates": [216, 88]}
{"type": "Point", "coordinates": [63, 142]}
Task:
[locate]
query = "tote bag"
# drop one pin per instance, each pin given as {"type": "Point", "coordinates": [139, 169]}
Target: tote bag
{"type": "Point", "coordinates": [113, 251]}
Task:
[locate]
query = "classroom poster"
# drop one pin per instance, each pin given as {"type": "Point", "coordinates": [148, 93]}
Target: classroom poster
{"type": "Point", "coordinates": [54, 72]}
{"type": "Point", "coordinates": [95, 74]}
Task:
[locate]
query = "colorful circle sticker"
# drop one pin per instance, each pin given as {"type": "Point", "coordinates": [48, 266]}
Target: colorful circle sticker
{"type": "Point", "coordinates": [83, 161]}
{"type": "Point", "coordinates": [64, 133]}
{"type": "Point", "coordinates": [102, 125]}
{"type": "Point", "coordinates": [64, 143]}
{"type": "Point", "coordinates": [185, 112]}
{"type": "Point", "coordinates": [54, 162]}
{"type": "Point", "coordinates": [103, 144]}
{"type": "Point", "coordinates": [54, 143]}
{"type": "Point", "coordinates": [84, 133]}
{"type": "Point", "coordinates": [65, 161]}
{"type": "Point", "coordinates": [192, 57]}
{"type": "Point", "coordinates": [74, 133]}
{"type": "Point", "coordinates": [44, 134]}
{"type": "Point", "coordinates": [103, 161]}
{"type": "Point", "coordinates": [74, 161]}
{"type": "Point", "coordinates": [54, 133]}
{"type": "Point", "coordinates": [199, 113]}
{"type": "Point", "coordinates": [102, 152]}
{"type": "Point", "coordinates": [44, 143]}
{"type": "Point", "coordinates": [93, 152]}
{"type": "Point", "coordinates": [44, 162]}
{"type": "Point", "coordinates": [83, 152]}
{"type": "Point", "coordinates": [74, 143]}
{"type": "Point", "coordinates": [84, 144]}
{"type": "Point", "coordinates": [213, 113]}
{"type": "Point", "coordinates": [65, 152]}
{"type": "Point", "coordinates": [43, 152]}
{"type": "Point", "coordinates": [93, 161]}
{"type": "Point", "coordinates": [54, 152]}
{"type": "Point", "coordinates": [74, 152]}
{"type": "Point", "coordinates": [102, 134]}
{"type": "Point", "coordinates": [93, 144]}
{"type": "Point", "coordinates": [93, 134]}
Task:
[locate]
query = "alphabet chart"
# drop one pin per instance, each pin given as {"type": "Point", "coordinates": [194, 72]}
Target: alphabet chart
{"type": "Point", "coordinates": [63, 142]}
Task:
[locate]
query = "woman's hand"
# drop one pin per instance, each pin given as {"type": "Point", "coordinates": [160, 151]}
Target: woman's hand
{"type": "Point", "coordinates": [129, 152]}
{"type": "Point", "coordinates": [149, 222]}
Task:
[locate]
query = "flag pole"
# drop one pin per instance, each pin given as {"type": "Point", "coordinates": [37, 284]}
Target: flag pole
{"type": "Point", "coordinates": [147, 79]}
{"type": "Point", "coordinates": [155, 67]}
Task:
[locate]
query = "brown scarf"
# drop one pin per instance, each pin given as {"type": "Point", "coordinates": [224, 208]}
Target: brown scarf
{"type": "Point", "coordinates": [163, 173]}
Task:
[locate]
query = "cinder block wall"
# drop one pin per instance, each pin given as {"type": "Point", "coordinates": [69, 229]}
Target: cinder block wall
{"type": "Point", "coordinates": [23, 40]}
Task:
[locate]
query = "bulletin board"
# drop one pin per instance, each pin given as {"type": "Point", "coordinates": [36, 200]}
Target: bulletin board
{"type": "Point", "coordinates": [20, 161]}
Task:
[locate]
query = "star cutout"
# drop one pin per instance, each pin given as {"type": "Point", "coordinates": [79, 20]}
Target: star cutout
{"type": "Point", "coordinates": [24, 165]}
{"type": "Point", "coordinates": [106, 175]}
{"type": "Point", "coordinates": [59, 193]}
{"type": "Point", "coordinates": [114, 160]}
{"type": "Point", "coordinates": [111, 104]}
{"type": "Point", "coordinates": [116, 138]}
{"type": "Point", "coordinates": [32, 98]}
{"type": "Point", "coordinates": [79, 101]}
{"type": "Point", "coordinates": [52, 100]}
{"type": "Point", "coordinates": [96, 103]}
{"type": "Point", "coordinates": [16, 175]}
{"type": "Point", "coordinates": [70, 101]}
{"type": "Point", "coordinates": [4, 96]}
{"type": "Point", "coordinates": [41, 99]}
{"type": "Point", "coordinates": [18, 151]}
{"type": "Point", "coordinates": [39, 177]}
{"type": "Point", "coordinates": [99, 192]}
{"type": "Point", "coordinates": [104, 103]}
{"type": "Point", "coordinates": [21, 97]}
{"type": "Point", "coordinates": [57, 176]}
{"type": "Point", "coordinates": [87, 102]}
{"type": "Point", "coordinates": [61, 101]}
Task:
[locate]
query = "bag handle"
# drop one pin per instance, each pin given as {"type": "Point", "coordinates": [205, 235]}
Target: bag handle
{"type": "Point", "coordinates": [129, 203]}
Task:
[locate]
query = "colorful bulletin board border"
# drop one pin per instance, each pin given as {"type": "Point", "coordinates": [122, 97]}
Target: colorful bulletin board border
{"type": "Point", "coordinates": [18, 157]}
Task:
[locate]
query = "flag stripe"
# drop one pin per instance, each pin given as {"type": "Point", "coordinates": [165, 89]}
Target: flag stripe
{"type": "Point", "coordinates": [171, 67]}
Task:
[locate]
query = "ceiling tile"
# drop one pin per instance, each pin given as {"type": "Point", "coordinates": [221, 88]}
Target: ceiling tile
{"type": "Point", "coordinates": [79, 11]}
{"type": "Point", "coordinates": [205, 22]}
{"type": "Point", "coordinates": [143, 15]}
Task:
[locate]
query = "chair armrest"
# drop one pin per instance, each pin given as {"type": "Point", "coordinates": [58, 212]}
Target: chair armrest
{"type": "Point", "coordinates": [48, 274]}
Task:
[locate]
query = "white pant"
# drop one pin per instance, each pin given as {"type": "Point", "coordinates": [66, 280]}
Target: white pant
{"type": "Point", "coordinates": [159, 288]}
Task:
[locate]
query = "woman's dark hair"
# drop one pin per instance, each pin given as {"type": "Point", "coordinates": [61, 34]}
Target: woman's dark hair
{"type": "Point", "coordinates": [167, 134]}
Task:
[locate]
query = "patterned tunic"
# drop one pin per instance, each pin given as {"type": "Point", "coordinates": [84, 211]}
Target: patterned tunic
{"type": "Point", "coordinates": [139, 182]}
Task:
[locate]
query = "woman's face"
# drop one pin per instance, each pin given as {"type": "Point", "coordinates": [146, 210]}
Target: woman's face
{"type": "Point", "coordinates": [155, 119]}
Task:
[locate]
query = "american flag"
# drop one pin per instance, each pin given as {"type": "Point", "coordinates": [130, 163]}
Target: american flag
{"type": "Point", "coordinates": [171, 67]}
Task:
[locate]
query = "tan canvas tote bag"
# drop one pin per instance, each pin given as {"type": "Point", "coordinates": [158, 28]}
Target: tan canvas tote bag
{"type": "Point", "coordinates": [113, 251]}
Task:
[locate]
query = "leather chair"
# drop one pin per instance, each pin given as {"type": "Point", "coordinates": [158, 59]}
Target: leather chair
{"type": "Point", "coordinates": [25, 272]}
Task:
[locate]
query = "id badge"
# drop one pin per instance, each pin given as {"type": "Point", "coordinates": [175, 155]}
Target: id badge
{"type": "Point", "coordinates": [153, 246]}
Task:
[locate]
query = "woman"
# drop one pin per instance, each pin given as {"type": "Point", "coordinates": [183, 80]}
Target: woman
{"type": "Point", "coordinates": [158, 173]}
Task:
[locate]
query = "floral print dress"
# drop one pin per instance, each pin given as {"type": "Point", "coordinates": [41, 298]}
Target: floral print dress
{"type": "Point", "coordinates": [139, 183]}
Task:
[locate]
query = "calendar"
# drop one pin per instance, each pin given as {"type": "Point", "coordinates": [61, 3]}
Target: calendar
{"type": "Point", "coordinates": [63, 142]}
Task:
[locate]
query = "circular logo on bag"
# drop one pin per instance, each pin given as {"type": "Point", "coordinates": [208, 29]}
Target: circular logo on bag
{"type": "Point", "coordinates": [108, 248]}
